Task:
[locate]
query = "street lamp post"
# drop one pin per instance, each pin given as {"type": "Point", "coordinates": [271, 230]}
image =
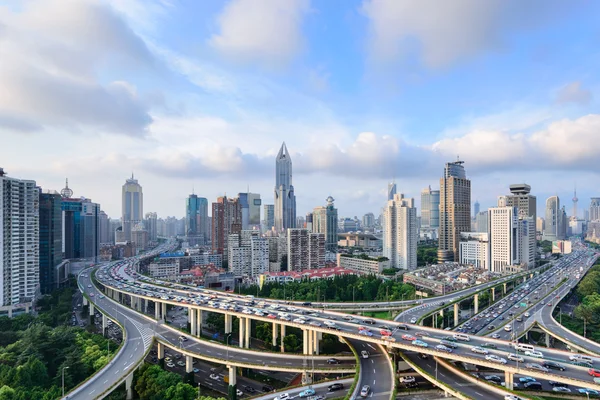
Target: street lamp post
{"type": "Point", "coordinates": [198, 390]}
{"type": "Point", "coordinates": [63, 380]}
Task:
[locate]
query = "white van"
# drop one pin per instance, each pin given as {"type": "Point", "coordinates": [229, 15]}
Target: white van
{"type": "Point", "coordinates": [508, 328]}
{"type": "Point", "coordinates": [460, 336]}
{"type": "Point", "coordinates": [523, 347]}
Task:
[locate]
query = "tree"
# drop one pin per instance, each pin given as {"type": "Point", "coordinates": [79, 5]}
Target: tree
{"type": "Point", "coordinates": [7, 393]}
{"type": "Point", "coordinates": [291, 343]}
{"type": "Point", "coordinates": [181, 391]}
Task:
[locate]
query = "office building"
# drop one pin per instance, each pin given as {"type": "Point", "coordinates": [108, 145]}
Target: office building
{"type": "Point", "coordinates": [300, 222]}
{"type": "Point", "coordinates": [81, 229]}
{"type": "Point", "coordinates": [455, 210]}
{"type": "Point", "coordinates": [474, 249]}
{"type": "Point", "coordinates": [139, 238]}
{"type": "Point", "coordinates": [476, 208]}
{"type": "Point", "coordinates": [250, 204]}
{"type": "Point", "coordinates": [305, 250]}
{"type": "Point", "coordinates": [504, 238]}
{"type": "Point", "coordinates": [391, 190]}
{"type": "Point", "coordinates": [400, 232]}
{"type": "Point", "coordinates": [526, 204]}
{"type": "Point", "coordinates": [248, 253]}
{"type": "Point", "coordinates": [226, 219]}
{"type": "Point", "coordinates": [285, 199]}
{"type": "Point", "coordinates": [368, 221]}
{"type": "Point", "coordinates": [540, 225]}
{"type": "Point", "coordinates": [19, 243]}
{"type": "Point", "coordinates": [553, 220]}
{"type": "Point", "coordinates": [52, 270]}
{"type": "Point", "coordinates": [105, 236]}
{"type": "Point", "coordinates": [594, 209]}
{"type": "Point", "coordinates": [325, 221]}
{"type": "Point", "coordinates": [132, 206]}
{"type": "Point", "coordinates": [430, 208]}
{"type": "Point", "coordinates": [151, 224]}
{"type": "Point", "coordinates": [196, 220]}
{"type": "Point", "coordinates": [481, 222]}
{"type": "Point", "coordinates": [269, 217]}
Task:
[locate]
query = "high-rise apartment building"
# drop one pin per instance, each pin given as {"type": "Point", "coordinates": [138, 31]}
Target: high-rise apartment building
{"type": "Point", "coordinates": [81, 228]}
{"type": "Point", "coordinates": [309, 221]}
{"type": "Point", "coordinates": [151, 224]}
{"type": "Point", "coordinates": [391, 190]}
{"type": "Point", "coordinates": [269, 217]}
{"type": "Point", "coordinates": [400, 232]}
{"type": "Point", "coordinates": [226, 219]}
{"type": "Point", "coordinates": [285, 199]}
{"type": "Point", "coordinates": [325, 221]}
{"type": "Point", "coordinates": [248, 253]}
{"type": "Point", "coordinates": [250, 204]}
{"type": "Point", "coordinates": [455, 210]}
{"type": "Point", "coordinates": [540, 225]}
{"type": "Point", "coordinates": [368, 221]}
{"type": "Point", "coordinates": [526, 204]}
{"type": "Point", "coordinates": [305, 250]}
{"type": "Point", "coordinates": [553, 220]}
{"type": "Point", "coordinates": [132, 206]}
{"type": "Point", "coordinates": [50, 241]}
{"type": "Point", "coordinates": [430, 208]}
{"type": "Point", "coordinates": [19, 242]}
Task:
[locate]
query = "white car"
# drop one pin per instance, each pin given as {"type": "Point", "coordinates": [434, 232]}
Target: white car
{"type": "Point", "coordinates": [299, 321]}
{"type": "Point", "coordinates": [479, 350]}
{"type": "Point", "coordinates": [407, 379]}
{"type": "Point", "coordinates": [413, 320]}
{"type": "Point", "coordinates": [534, 353]}
{"type": "Point", "coordinates": [214, 377]}
{"type": "Point", "coordinates": [283, 396]}
{"type": "Point", "coordinates": [364, 354]}
{"type": "Point", "coordinates": [511, 397]}
{"type": "Point", "coordinates": [515, 357]}
{"type": "Point", "coordinates": [495, 358]}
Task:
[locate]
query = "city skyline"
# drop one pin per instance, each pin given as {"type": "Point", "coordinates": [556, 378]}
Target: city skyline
{"type": "Point", "coordinates": [201, 108]}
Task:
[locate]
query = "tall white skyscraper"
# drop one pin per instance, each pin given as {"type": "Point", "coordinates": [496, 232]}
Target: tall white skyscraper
{"type": "Point", "coordinates": [430, 208]}
{"type": "Point", "coordinates": [19, 242]}
{"type": "Point", "coordinates": [504, 237]}
{"type": "Point", "coordinates": [553, 219]}
{"type": "Point", "coordinates": [594, 213]}
{"type": "Point", "coordinates": [132, 206]}
{"type": "Point", "coordinates": [526, 204]}
{"type": "Point", "coordinates": [285, 199]}
{"type": "Point", "coordinates": [400, 232]}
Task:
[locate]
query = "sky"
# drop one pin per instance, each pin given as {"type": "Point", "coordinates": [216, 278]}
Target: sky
{"type": "Point", "coordinates": [198, 96]}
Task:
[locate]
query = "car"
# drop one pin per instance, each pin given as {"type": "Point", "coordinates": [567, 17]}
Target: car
{"type": "Point", "coordinates": [183, 338]}
{"type": "Point", "coordinates": [407, 379]}
{"type": "Point", "coordinates": [214, 377]}
{"type": "Point", "coordinates": [479, 350]}
{"type": "Point", "coordinates": [511, 397]}
{"type": "Point", "coordinates": [495, 358]}
{"type": "Point", "coordinates": [554, 383]}
{"type": "Point", "coordinates": [364, 392]}
{"type": "Point", "coordinates": [369, 321]}
{"type": "Point", "coordinates": [533, 385]}
{"type": "Point", "coordinates": [421, 333]}
{"type": "Point", "coordinates": [307, 392]}
{"type": "Point", "coordinates": [554, 365]}
{"type": "Point", "coordinates": [525, 379]}
{"type": "Point", "coordinates": [364, 354]}
{"type": "Point", "coordinates": [365, 333]}
{"type": "Point", "coordinates": [594, 372]}
{"type": "Point", "coordinates": [170, 365]}
{"type": "Point", "coordinates": [549, 304]}
{"type": "Point", "coordinates": [196, 370]}
{"type": "Point", "coordinates": [449, 338]}
{"type": "Point", "coordinates": [534, 353]}
{"type": "Point", "coordinates": [515, 357]}
{"type": "Point", "coordinates": [536, 367]}
{"type": "Point", "coordinates": [388, 338]}
{"type": "Point", "coordinates": [588, 391]}
{"type": "Point", "coordinates": [495, 336]}
{"type": "Point", "coordinates": [168, 359]}
{"type": "Point", "coordinates": [561, 389]}
{"type": "Point", "coordinates": [239, 393]}
{"type": "Point", "coordinates": [181, 363]}
{"type": "Point", "coordinates": [408, 337]}
{"type": "Point", "coordinates": [385, 332]}
{"type": "Point", "coordinates": [423, 356]}
{"type": "Point", "coordinates": [493, 378]}
{"type": "Point", "coordinates": [335, 387]}
{"type": "Point", "coordinates": [267, 388]}
{"type": "Point", "coordinates": [443, 348]}
{"type": "Point", "coordinates": [419, 343]}
{"type": "Point", "coordinates": [527, 315]}
{"type": "Point", "coordinates": [489, 346]}
{"type": "Point", "coordinates": [249, 389]}
{"type": "Point", "coordinates": [283, 396]}
{"type": "Point", "coordinates": [333, 361]}
{"type": "Point", "coordinates": [413, 320]}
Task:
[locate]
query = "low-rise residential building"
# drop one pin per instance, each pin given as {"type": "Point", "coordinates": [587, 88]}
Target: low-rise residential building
{"type": "Point", "coordinates": [448, 277]}
{"type": "Point", "coordinates": [298, 276]}
{"type": "Point", "coordinates": [362, 263]}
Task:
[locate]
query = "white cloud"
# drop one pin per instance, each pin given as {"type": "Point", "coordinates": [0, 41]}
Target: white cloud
{"type": "Point", "coordinates": [267, 32]}
{"type": "Point", "coordinates": [573, 93]}
{"type": "Point", "coordinates": [443, 32]}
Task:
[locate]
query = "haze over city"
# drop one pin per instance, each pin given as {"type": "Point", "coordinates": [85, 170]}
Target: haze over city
{"type": "Point", "coordinates": [198, 96]}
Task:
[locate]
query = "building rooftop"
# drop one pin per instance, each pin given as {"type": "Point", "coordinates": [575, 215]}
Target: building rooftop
{"type": "Point", "coordinates": [520, 188]}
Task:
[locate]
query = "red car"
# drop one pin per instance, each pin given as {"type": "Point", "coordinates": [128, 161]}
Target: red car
{"type": "Point", "coordinates": [385, 332]}
{"type": "Point", "coordinates": [410, 338]}
{"type": "Point", "coordinates": [594, 372]}
{"type": "Point", "coordinates": [272, 316]}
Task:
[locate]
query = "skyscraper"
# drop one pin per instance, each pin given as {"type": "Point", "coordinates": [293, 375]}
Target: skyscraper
{"type": "Point", "coordinates": [196, 219]}
{"type": "Point", "coordinates": [50, 240]}
{"type": "Point", "coordinates": [19, 241]}
{"type": "Point", "coordinates": [476, 208]}
{"type": "Point", "coordinates": [132, 206]}
{"type": "Point", "coordinates": [285, 200]}
{"type": "Point", "coordinates": [430, 208]}
{"type": "Point", "coordinates": [504, 237]}
{"type": "Point", "coordinates": [248, 253]}
{"type": "Point", "coordinates": [391, 191]}
{"type": "Point", "coordinates": [305, 250]}
{"type": "Point", "coordinates": [226, 219]}
{"type": "Point", "coordinates": [595, 209]}
{"type": "Point", "coordinates": [104, 229]}
{"type": "Point", "coordinates": [368, 220]}
{"type": "Point", "coordinates": [81, 228]}
{"type": "Point", "coordinates": [455, 210]}
{"type": "Point", "coordinates": [250, 204]}
{"type": "Point", "coordinates": [325, 220]}
{"type": "Point", "coordinates": [526, 204]}
{"type": "Point", "coordinates": [400, 232]}
{"type": "Point", "coordinates": [151, 223]}
{"type": "Point", "coordinates": [269, 217]}
{"type": "Point", "coordinates": [553, 219]}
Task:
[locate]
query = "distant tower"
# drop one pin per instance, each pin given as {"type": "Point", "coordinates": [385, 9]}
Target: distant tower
{"type": "Point", "coordinates": [66, 193]}
{"type": "Point", "coordinates": [575, 200]}
{"type": "Point", "coordinates": [391, 190]}
{"type": "Point", "coordinates": [476, 208]}
{"type": "Point", "coordinates": [285, 200]}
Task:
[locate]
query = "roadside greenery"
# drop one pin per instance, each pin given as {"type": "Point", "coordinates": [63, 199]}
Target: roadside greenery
{"type": "Point", "coordinates": [339, 288]}
{"type": "Point", "coordinates": [34, 351]}
{"type": "Point", "coordinates": [154, 383]}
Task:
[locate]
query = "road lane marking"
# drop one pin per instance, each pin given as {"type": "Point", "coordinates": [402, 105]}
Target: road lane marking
{"type": "Point", "coordinates": [92, 391]}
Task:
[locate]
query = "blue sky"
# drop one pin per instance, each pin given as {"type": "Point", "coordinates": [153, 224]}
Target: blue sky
{"type": "Point", "coordinates": [201, 94]}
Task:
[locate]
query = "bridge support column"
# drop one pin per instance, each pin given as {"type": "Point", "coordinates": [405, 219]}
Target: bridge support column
{"type": "Point", "coordinates": [157, 310]}
{"type": "Point", "coordinates": [145, 306]}
{"type": "Point", "coordinates": [242, 331]}
{"type": "Point", "coordinates": [509, 380]}
{"type": "Point", "coordinates": [85, 302]}
{"type": "Point", "coordinates": [189, 369]}
{"type": "Point", "coordinates": [456, 312]}
{"type": "Point", "coordinates": [164, 311]}
{"type": "Point", "coordinates": [91, 310]}
{"type": "Point", "coordinates": [160, 354]}
{"type": "Point", "coordinates": [129, 386]}
{"type": "Point", "coordinates": [504, 288]}
{"type": "Point", "coordinates": [192, 321]}
{"type": "Point", "coordinates": [530, 276]}
{"type": "Point", "coordinates": [493, 294]}
{"type": "Point", "coordinates": [232, 390]}
{"type": "Point", "coordinates": [282, 336]}
{"type": "Point", "coordinates": [275, 334]}
{"type": "Point", "coordinates": [228, 322]}
{"type": "Point", "coordinates": [247, 332]}
{"type": "Point", "coordinates": [547, 340]}
{"type": "Point", "coordinates": [104, 324]}
{"type": "Point", "coordinates": [476, 303]}
{"type": "Point", "coordinates": [199, 316]}
{"type": "Point", "coordinates": [316, 341]}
